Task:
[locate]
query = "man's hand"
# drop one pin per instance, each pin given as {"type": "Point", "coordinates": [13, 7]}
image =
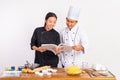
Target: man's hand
{"type": "Point", "coordinates": [78, 47]}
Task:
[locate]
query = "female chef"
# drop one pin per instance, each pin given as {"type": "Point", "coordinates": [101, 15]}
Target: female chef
{"type": "Point", "coordinates": [46, 35]}
{"type": "Point", "coordinates": [74, 36]}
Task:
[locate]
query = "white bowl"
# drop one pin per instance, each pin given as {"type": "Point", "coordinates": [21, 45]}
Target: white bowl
{"type": "Point", "coordinates": [49, 73]}
{"type": "Point", "coordinates": [44, 71]}
{"type": "Point", "coordinates": [54, 70]}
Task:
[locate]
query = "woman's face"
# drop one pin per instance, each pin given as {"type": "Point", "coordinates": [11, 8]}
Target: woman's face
{"type": "Point", "coordinates": [50, 23]}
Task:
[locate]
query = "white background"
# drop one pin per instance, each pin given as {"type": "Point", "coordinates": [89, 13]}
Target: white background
{"type": "Point", "coordinates": [100, 18]}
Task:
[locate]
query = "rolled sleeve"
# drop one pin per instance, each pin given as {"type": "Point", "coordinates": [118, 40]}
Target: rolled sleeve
{"type": "Point", "coordinates": [84, 41]}
{"type": "Point", "coordinates": [33, 40]}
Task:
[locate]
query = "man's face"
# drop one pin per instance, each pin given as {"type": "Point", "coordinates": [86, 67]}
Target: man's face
{"type": "Point", "coordinates": [70, 23]}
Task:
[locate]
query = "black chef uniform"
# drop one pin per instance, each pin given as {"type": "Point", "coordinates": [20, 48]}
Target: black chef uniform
{"type": "Point", "coordinates": [41, 36]}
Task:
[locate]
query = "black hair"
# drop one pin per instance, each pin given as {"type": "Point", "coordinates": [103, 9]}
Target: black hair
{"type": "Point", "coordinates": [50, 14]}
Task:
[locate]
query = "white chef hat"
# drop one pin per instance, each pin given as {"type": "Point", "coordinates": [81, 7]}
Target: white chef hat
{"type": "Point", "coordinates": [73, 12]}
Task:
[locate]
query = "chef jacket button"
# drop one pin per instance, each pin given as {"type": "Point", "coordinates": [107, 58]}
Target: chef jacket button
{"type": "Point", "coordinates": [71, 55]}
{"type": "Point", "coordinates": [72, 40]}
{"type": "Point", "coordinates": [66, 39]}
{"type": "Point", "coordinates": [65, 54]}
{"type": "Point", "coordinates": [65, 61]}
{"type": "Point", "coordinates": [72, 62]}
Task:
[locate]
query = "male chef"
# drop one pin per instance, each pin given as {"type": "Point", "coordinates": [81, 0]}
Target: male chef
{"type": "Point", "coordinates": [73, 35]}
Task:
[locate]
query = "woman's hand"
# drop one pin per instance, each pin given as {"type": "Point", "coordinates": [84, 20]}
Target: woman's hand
{"type": "Point", "coordinates": [58, 51]}
{"type": "Point", "coordinates": [41, 49]}
{"type": "Point", "coordinates": [78, 47]}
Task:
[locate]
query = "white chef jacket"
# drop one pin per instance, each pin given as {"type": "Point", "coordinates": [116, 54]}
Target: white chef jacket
{"type": "Point", "coordinates": [75, 36]}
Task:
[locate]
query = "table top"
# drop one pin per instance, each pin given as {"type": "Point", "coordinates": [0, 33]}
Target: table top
{"type": "Point", "coordinates": [59, 75]}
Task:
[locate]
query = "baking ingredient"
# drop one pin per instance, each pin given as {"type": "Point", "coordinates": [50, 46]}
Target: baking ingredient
{"type": "Point", "coordinates": [73, 70]}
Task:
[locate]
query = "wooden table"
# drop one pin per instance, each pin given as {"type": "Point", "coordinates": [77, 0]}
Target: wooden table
{"type": "Point", "coordinates": [60, 75]}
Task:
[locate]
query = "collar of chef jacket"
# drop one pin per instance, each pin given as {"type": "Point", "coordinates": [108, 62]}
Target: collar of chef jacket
{"type": "Point", "coordinates": [73, 30]}
{"type": "Point", "coordinates": [71, 35]}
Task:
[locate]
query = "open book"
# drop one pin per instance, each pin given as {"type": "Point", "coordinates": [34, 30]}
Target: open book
{"type": "Point", "coordinates": [53, 47]}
